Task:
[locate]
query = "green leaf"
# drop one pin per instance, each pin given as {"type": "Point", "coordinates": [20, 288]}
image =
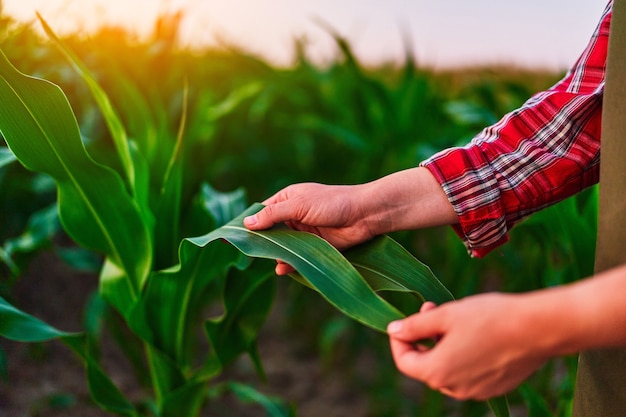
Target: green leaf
{"type": "Point", "coordinates": [110, 116]}
{"type": "Point", "coordinates": [80, 259]}
{"type": "Point", "coordinates": [231, 102]}
{"type": "Point", "coordinates": [135, 167]}
{"type": "Point", "coordinates": [388, 266]}
{"type": "Point", "coordinates": [96, 311]}
{"type": "Point", "coordinates": [6, 156]}
{"type": "Point", "coordinates": [499, 406]}
{"type": "Point", "coordinates": [184, 401]}
{"type": "Point", "coordinates": [41, 228]}
{"type": "Point", "coordinates": [106, 394]}
{"type": "Point", "coordinates": [247, 296]}
{"type": "Point", "coordinates": [223, 207]}
{"type": "Point", "coordinates": [95, 209]}
{"type": "Point", "coordinates": [19, 326]}
{"type": "Point", "coordinates": [166, 375]}
{"type": "Point", "coordinates": [167, 233]}
{"type": "Point", "coordinates": [274, 407]}
{"type": "Point", "coordinates": [145, 119]}
{"type": "Point", "coordinates": [535, 402]}
{"type": "Point", "coordinates": [319, 262]}
{"type": "Point", "coordinates": [163, 314]}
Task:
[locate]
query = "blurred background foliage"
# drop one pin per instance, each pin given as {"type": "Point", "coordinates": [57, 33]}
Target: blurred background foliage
{"type": "Point", "coordinates": [262, 127]}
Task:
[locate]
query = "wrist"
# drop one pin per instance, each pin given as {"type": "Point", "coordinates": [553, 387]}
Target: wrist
{"type": "Point", "coordinates": [406, 200]}
{"type": "Point", "coordinates": [572, 318]}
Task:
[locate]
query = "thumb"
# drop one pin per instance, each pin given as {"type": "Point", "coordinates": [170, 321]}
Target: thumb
{"type": "Point", "coordinates": [423, 325]}
{"type": "Point", "coordinates": [427, 306]}
{"type": "Point", "coordinates": [408, 339]}
{"type": "Point", "coordinates": [268, 216]}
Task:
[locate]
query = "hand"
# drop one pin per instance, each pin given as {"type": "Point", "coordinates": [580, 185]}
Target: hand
{"type": "Point", "coordinates": [333, 212]}
{"type": "Point", "coordinates": [346, 215]}
{"type": "Point", "coordinates": [484, 347]}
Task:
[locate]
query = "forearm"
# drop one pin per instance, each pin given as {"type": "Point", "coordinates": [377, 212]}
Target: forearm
{"type": "Point", "coordinates": [537, 155]}
{"type": "Point", "coordinates": [588, 314]}
{"type": "Point", "coordinates": [406, 200]}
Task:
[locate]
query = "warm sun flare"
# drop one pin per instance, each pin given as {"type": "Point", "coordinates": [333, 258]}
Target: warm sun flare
{"type": "Point", "coordinates": [90, 14]}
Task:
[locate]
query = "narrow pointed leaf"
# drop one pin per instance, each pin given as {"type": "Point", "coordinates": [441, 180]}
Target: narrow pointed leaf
{"type": "Point", "coordinates": [167, 233]}
{"type": "Point", "coordinates": [42, 226]}
{"type": "Point", "coordinates": [166, 375]}
{"type": "Point", "coordinates": [184, 401]}
{"type": "Point", "coordinates": [235, 98]}
{"type": "Point", "coordinates": [499, 406]}
{"type": "Point", "coordinates": [19, 326]}
{"type": "Point", "coordinates": [6, 156]}
{"type": "Point", "coordinates": [248, 297]}
{"type": "Point", "coordinates": [39, 126]}
{"type": "Point", "coordinates": [223, 207]}
{"type": "Point", "coordinates": [335, 278]}
{"type": "Point", "coordinates": [319, 262]}
{"type": "Point", "coordinates": [110, 116]}
{"type": "Point", "coordinates": [136, 169]}
{"type": "Point", "coordinates": [274, 407]}
{"type": "Point", "coordinates": [162, 314]}
{"type": "Point", "coordinates": [387, 266]}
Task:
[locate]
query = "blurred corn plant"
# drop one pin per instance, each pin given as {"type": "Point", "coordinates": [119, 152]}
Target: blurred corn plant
{"type": "Point", "coordinates": [352, 121]}
{"type": "Point", "coordinates": [135, 206]}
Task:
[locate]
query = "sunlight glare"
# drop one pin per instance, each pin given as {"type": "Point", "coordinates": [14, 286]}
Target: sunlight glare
{"type": "Point", "coordinates": [88, 15]}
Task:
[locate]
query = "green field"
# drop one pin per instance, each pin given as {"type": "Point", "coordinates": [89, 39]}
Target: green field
{"type": "Point", "coordinates": [223, 124]}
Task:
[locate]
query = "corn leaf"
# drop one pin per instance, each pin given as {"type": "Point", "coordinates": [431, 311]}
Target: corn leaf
{"type": "Point", "coordinates": [19, 326]}
{"type": "Point", "coordinates": [184, 401]}
{"type": "Point", "coordinates": [113, 121]}
{"type": "Point", "coordinates": [168, 211]}
{"type": "Point", "coordinates": [405, 273]}
{"type": "Point", "coordinates": [41, 228]}
{"type": "Point", "coordinates": [386, 263]}
{"type": "Point", "coordinates": [499, 406]}
{"type": "Point", "coordinates": [234, 99]}
{"type": "Point", "coordinates": [319, 262]}
{"type": "Point", "coordinates": [6, 156]}
{"type": "Point", "coordinates": [166, 374]}
{"type": "Point", "coordinates": [223, 207]}
{"type": "Point", "coordinates": [274, 407]}
{"type": "Point", "coordinates": [134, 164]}
{"type": "Point", "coordinates": [247, 296]}
{"type": "Point", "coordinates": [95, 209]}
{"type": "Point", "coordinates": [162, 316]}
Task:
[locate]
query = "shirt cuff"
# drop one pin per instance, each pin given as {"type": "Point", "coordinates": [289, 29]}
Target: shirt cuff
{"type": "Point", "coordinates": [472, 188]}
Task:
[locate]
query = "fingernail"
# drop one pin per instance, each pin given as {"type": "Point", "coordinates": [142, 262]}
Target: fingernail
{"type": "Point", "coordinates": [250, 220]}
{"type": "Point", "coordinates": [394, 326]}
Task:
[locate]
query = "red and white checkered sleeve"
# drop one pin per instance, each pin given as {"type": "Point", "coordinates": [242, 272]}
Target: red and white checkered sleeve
{"type": "Point", "coordinates": [537, 155]}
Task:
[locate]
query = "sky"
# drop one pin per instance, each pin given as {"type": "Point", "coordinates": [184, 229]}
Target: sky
{"type": "Point", "coordinates": [547, 34]}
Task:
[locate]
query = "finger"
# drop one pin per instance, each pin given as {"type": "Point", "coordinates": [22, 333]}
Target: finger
{"type": "Point", "coordinates": [283, 268]}
{"type": "Point", "coordinates": [269, 216]}
{"type": "Point", "coordinates": [400, 348]}
{"type": "Point", "coordinates": [276, 198]}
{"type": "Point", "coordinates": [408, 360]}
{"type": "Point", "coordinates": [423, 325]}
{"type": "Point", "coordinates": [427, 306]}
{"type": "Point", "coordinates": [447, 391]}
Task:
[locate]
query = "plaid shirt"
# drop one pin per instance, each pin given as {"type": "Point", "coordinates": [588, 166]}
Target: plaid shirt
{"type": "Point", "coordinates": [537, 155]}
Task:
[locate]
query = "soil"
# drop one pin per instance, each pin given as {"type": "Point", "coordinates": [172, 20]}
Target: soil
{"type": "Point", "coordinates": [48, 380]}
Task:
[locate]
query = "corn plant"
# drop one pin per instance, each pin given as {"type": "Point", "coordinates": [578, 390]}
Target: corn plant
{"type": "Point", "coordinates": [160, 281]}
